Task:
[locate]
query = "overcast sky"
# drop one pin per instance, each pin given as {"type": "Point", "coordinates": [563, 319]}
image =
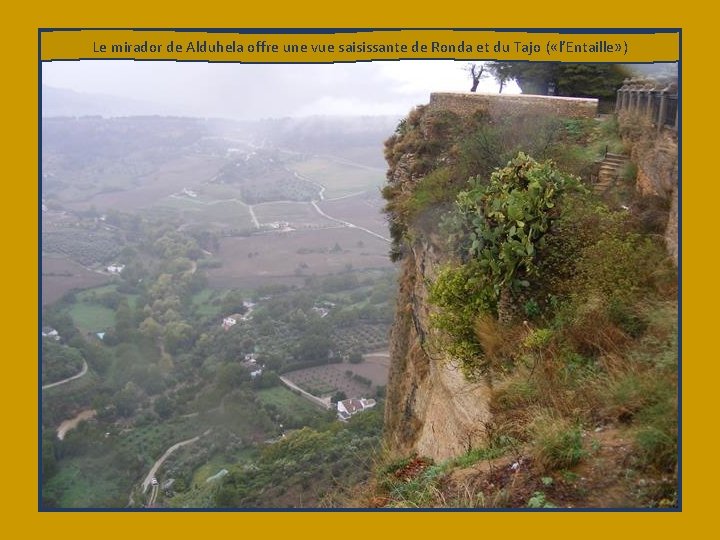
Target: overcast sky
{"type": "Point", "coordinates": [246, 91]}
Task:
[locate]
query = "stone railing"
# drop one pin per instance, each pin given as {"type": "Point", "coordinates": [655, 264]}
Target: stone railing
{"type": "Point", "coordinates": [656, 99]}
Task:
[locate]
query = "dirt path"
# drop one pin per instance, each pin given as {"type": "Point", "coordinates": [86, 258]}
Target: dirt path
{"type": "Point", "coordinates": [83, 371]}
{"type": "Point", "coordinates": [344, 161]}
{"type": "Point", "coordinates": [347, 223]}
{"type": "Point", "coordinates": [253, 216]}
{"type": "Point", "coordinates": [159, 462]}
{"type": "Point", "coordinates": [357, 193]}
{"type": "Point", "coordinates": [71, 423]}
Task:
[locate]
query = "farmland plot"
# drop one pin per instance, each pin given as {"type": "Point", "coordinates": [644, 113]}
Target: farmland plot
{"type": "Point", "coordinates": [299, 215]}
{"type": "Point", "coordinates": [339, 179]}
{"type": "Point", "coordinates": [363, 210]}
{"type": "Point", "coordinates": [60, 275]}
{"type": "Point", "coordinates": [257, 259]}
{"type": "Point", "coordinates": [353, 379]}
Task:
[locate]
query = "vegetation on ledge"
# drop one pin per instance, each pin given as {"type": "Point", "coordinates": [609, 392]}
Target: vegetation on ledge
{"type": "Point", "coordinates": [563, 301]}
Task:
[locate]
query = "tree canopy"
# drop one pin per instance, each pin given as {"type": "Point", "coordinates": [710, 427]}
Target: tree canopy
{"type": "Point", "coordinates": [561, 79]}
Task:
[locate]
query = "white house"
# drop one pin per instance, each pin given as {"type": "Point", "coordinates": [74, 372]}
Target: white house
{"type": "Point", "coordinates": [228, 322]}
{"type": "Point", "coordinates": [115, 268]}
{"type": "Point", "coordinates": [50, 332]}
{"type": "Point", "coordinates": [347, 407]}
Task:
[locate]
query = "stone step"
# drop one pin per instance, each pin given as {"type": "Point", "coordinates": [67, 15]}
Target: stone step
{"type": "Point", "coordinates": [616, 156]}
{"type": "Point", "coordinates": [614, 163]}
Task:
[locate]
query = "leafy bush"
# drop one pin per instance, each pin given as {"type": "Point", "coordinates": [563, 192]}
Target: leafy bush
{"type": "Point", "coordinates": [502, 223]}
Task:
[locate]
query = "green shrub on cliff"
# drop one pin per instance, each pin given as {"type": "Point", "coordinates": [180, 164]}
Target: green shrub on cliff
{"type": "Point", "coordinates": [501, 224]}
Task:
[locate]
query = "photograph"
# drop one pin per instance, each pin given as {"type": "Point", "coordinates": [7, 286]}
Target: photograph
{"type": "Point", "coordinates": [422, 284]}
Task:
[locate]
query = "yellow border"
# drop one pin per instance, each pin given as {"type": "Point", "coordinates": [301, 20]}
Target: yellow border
{"type": "Point", "coordinates": [20, 306]}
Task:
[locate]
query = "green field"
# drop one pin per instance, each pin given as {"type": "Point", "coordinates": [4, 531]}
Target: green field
{"type": "Point", "coordinates": [92, 317]}
{"type": "Point", "coordinates": [339, 179]}
{"type": "Point", "coordinates": [288, 403]}
{"type": "Point", "coordinates": [203, 303]}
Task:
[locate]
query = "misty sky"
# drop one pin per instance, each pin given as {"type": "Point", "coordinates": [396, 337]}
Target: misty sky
{"type": "Point", "coordinates": [247, 91]}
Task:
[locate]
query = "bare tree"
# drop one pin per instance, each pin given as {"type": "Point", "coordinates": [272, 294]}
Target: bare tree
{"type": "Point", "coordinates": [476, 72]}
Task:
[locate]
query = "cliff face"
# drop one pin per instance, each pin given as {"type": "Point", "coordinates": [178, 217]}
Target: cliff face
{"type": "Point", "coordinates": [432, 409]}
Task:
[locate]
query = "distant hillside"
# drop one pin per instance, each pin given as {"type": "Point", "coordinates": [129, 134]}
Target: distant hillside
{"type": "Point", "coordinates": [356, 138]}
{"type": "Point", "coordinates": [63, 102]}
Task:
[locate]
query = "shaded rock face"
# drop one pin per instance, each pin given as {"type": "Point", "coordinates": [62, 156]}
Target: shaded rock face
{"type": "Point", "coordinates": [431, 408]}
{"type": "Point", "coordinates": [656, 155]}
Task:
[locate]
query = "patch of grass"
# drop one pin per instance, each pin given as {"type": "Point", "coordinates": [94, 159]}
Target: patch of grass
{"type": "Point", "coordinates": [92, 317]}
{"type": "Point", "coordinates": [481, 454]}
{"type": "Point", "coordinates": [204, 305]}
{"type": "Point", "coordinates": [433, 194]}
{"type": "Point", "coordinates": [208, 469]}
{"type": "Point", "coordinates": [87, 482]}
{"type": "Point", "coordinates": [412, 482]}
{"type": "Point", "coordinates": [629, 172]}
{"type": "Point", "coordinates": [289, 405]}
{"type": "Point", "coordinates": [515, 392]}
{"type": "Point", "coordinates": [557, 442]}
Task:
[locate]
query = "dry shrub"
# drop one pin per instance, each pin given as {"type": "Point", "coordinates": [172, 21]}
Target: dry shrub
{"type": "Point", "coordinates": [499, 342]}
{"type": "Point", "coordinates": [591, 331]}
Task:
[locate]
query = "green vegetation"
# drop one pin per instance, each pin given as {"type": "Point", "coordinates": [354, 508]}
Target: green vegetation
{"type": "Point", "coordinates": [59, 362]}
{"type": "Point", "coordinates": [564, 302]}
{"type": "Point", "coordinates": [165, 369]}
{"type": "Point", "coordinates": [562, 79]}
{"type": "Point", "coordinates": [86, 246]}
{"type": "Point", "coordinates": [307, 468]}
{"type": "Point", "coordinates": [557, 443]}
{"type": "Point", "coordinates": [289, 409]}
{"type": "Point", "coordinates": [92, 317]}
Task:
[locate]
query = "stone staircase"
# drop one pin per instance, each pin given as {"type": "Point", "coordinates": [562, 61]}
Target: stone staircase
{"type": "Point", "coordinates": [609, 173]}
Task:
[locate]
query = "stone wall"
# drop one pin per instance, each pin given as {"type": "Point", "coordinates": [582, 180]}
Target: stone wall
{"type": "Point", "coordinates": [513, 104]}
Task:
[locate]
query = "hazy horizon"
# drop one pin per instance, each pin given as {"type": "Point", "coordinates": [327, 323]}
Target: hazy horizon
{"type": "Point", "coordinates": [257, 91]}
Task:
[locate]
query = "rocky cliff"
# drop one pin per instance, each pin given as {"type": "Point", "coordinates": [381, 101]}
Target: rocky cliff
{"type": "Point", "coordinates": [655, 151]}
{"type": "Point", "coordinates": [432, 409]}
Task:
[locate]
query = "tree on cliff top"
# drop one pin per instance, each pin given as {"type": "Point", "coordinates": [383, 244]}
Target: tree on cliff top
{"type": "Point", "coordinates": [554, 78]}
{"type": "Point", "coordinates": [476, 73]}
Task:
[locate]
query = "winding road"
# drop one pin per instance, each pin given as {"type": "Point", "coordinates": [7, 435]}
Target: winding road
{"type": "Point", "coordinates": [83, 371]}
{"type": "Point", "coordinates": [159, 462]}
{"type": "Point", "coordinates": [347, 223]}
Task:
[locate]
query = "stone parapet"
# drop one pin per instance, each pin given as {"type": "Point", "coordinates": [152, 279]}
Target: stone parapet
{"type": "Point", "coordinates": [465, 103]}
